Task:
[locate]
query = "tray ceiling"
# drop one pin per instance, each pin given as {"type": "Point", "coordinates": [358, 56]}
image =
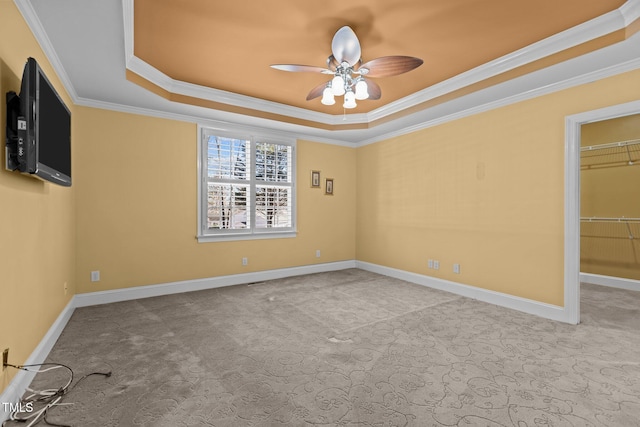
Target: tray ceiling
{"type": "Point", "coordinates": [211, 59]}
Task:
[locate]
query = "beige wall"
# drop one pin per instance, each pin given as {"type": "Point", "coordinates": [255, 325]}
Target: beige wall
{"type": "Point", "coordinates": [37, 219]}
{"type": "Point", "coordinates": [137, 207]}
{"type": "Point", "coordinates": [486, 191]}
{"type": "Point", "coordinates": [610, 187]}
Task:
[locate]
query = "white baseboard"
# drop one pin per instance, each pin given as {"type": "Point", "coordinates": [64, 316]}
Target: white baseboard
{"type": "Point", "coordinates": [22, 379]}
{"type": "Point", "coordinates": [613, 282]}
{"type": "Point", "coordinates": [127, 294]}
{"type": "Point", "coordinates": [547, 311]}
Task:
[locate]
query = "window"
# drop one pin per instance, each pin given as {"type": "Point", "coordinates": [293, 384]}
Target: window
{"type": "Point", "coordinates": [247, 186]}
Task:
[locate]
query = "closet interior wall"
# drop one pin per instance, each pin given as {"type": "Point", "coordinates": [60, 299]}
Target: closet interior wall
{"type": "Point", "coordinates": [610, 198]}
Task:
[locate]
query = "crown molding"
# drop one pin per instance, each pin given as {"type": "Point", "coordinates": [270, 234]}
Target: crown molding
{"type": "Point", "coordinates": [593, 29]}
{"type": "Point", "coordinates": [598, 27]}
{"type": "Point", "coordinates": [413, 125]}
{"type": "Point", "coordinates": [616, 20]}
{"type": "Point", "coordinates": [630, 11]}
{"type": "Point", "coordinates": [36, 27]}
{"type": "Point", "coordinates": [158, 78]}
{"type": "Point", "coordinates": [402, 126]}
{"type": "Point", "coordinates": [285, 129]}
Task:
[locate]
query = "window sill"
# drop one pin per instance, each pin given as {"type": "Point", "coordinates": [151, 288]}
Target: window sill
{"type": "Point", "coordinates": [255, 236]}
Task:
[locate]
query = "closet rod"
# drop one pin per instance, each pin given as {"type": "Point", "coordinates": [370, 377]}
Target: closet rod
{"type": "Point", "coordinates": [606, 219]}
{"type": "Point", "coordinates": [611, 145]}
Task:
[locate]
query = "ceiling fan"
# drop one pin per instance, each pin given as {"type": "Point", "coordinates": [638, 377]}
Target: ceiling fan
{"type": "Point", "coordinates": [348, 71]}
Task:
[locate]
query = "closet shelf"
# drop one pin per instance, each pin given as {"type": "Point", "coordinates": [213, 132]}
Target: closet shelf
{"type": "Point", "coordinates": [611, 154]}
{"type": "Point", "coordinates": [607, 219]}
{"type": "Point", "coordinates": [622, 220]}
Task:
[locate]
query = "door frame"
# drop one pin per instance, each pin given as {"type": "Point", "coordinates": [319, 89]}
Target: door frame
{"type": "Point", "coordinates": [573, 126]}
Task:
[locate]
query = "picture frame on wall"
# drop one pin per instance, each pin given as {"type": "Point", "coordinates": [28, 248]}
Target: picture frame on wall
{"type": "Point", "coordinates": [315, 179]}
{"type": "Point", "coordinates": [328, 187]}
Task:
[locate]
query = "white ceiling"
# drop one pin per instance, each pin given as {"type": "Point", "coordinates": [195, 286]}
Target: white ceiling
{"type": "Point", "coordinates": [90, 44]}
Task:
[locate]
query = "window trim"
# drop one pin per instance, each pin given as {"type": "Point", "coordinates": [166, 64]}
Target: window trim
{"type": "Point", "coordinates": [253, 233]}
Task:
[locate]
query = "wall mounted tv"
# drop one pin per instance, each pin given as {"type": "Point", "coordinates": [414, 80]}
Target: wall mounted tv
{"type": "Point", "coordinates": [38, 140]}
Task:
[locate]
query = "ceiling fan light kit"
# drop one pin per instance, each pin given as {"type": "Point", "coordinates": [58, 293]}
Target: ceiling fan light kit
{"type": "Point", "coordinates": [348, 71]}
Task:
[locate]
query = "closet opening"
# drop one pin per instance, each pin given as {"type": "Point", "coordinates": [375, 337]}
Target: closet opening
{"type": "Point", "coordinates": [602, 202]}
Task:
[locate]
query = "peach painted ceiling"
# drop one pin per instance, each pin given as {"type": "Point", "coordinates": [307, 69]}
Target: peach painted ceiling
{"type": "Point", "coordinates": [229, 45]}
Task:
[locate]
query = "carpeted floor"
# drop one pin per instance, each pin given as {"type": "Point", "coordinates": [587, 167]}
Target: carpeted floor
{"type": "Point", "coordinates": [348, 348]}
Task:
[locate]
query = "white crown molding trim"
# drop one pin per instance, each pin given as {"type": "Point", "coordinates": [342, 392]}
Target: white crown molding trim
{"type": "Point", "coordinates": [630, 11]}
{"type": "Point", "coordinates": [158, 78]}
{"type": "Point", "coordinates": [547, 311]}
{"type": "Point", "coordinates": [610, 281]}
{"type": "Point", "coordinates": [127, 294]}
{"type": "Point", "coordinates": [22, 379]}
{"type": "Point", "coordinates": [402, 126]}
{"type": "Point", "coordinates": [544, 90]}
{"type": "Point", "coordinates": [286, 129]}
{"type": "Point", "coordinates": [196, 91]}
{"type": "Point", "coordinates": [127, 19]}
{"type": "Point", "coordinates": [34, 24]}
{"type": "Point", "coordinates": [602, 25]}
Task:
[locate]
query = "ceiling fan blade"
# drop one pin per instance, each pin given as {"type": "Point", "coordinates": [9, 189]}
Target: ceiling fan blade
{"type": "Point", "coordinates": [374, 90]}
{"type": "Point", "coordinates": [332, 63]}
{"type": "Point", "coordinates": [389, 66]}
{"type": "Point", "coordinates": [301, 68]}
{"type": "Point", "coordinates": [316, 91]}
{"type": "Point", "coordinates": [346, 46]}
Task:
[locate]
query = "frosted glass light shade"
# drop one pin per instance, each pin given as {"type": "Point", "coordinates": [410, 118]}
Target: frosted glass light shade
{"type": "Point", "coordinates": [337, 85]}
{"type": "Point", "coordinates": [361, 90]}
{"type": "Point", "coordinates": [349, 100]}
{"type": "Point", "coordinates": [327, 96]}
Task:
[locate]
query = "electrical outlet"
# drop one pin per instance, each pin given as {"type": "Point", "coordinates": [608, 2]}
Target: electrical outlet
{"type": "Point", "coordinates": [318, 253]}
{"type": "Point", "coordinates": [245, 261]}
{"type": "Point", "coordinates": [430, 263]}
{"type": "Point", "coordinates": [436, 264]}
{"type": "Point", "coordinates": [456, 268]}
{"type": "Point", "coordinates": [95, 276]}
{"type": "Point", "coordinates": [5, 358]}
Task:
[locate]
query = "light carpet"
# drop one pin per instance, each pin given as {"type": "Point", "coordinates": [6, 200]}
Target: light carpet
{"type": "Point", "coordinates": [348, 348]}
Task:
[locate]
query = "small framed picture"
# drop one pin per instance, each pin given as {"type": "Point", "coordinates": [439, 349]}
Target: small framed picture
{"type": "Point", "coordinates": [328, 186]}
{"type": "Point", "coordinates": [315, 179]}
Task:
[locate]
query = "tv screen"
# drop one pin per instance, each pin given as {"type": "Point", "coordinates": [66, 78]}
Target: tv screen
{"type": "Point", "coordinates": [53, 133]}
{"type": "Point", "coordinates": [39, 129]}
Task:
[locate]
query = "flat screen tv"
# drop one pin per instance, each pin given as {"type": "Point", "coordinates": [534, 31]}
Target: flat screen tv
{"type": "Point", "coordinates": [38, 139]}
